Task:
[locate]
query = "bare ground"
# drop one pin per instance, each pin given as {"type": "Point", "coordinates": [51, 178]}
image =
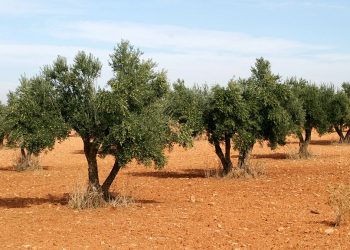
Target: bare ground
{"type": "Point", "coordinates": [178, 207]}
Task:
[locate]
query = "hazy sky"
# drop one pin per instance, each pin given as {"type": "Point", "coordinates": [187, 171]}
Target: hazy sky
{"type": "Point", "coordinates": [204, 41]}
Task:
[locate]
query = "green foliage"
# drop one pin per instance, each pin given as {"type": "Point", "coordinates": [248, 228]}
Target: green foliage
{"type": "Point", "coordinates": [186, 107]}
{"type": "Point", "coordinates": [75, 87]}
{"type": "Point", "coordinates": [33, 118]}
{"type": "Point", "coordinates": [337, 107]}
{"type": "Point", "coordinates": [135, 80]}
{"type": "Point", "coordinates": [126, 119]}
{"type": "Point", "coordinates": [274, 111]}
{"type": "Point", "coordinates": [139, 128]}
{"type": "Point", "coordinates": [226, 113]}
{"type": "Point", "coordinates": [259, 108]}
{"type": "Point", "coordinates": [314, 103]}
{"type": "Point", "coordinates": [2, 123]}
{"type": "Point", "coordinates": [346, 88]}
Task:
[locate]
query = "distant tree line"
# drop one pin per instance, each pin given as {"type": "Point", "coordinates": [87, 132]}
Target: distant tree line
{"type": "Point", "coordinates": [139, 114]}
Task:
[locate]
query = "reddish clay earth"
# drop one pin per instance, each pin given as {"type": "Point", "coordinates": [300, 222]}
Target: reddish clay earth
{"type": "Point", "coordinates": [178, 207]}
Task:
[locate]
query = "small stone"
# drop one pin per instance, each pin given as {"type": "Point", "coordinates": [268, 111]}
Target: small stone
{"type": "Point", "coordinates": [219, 226]}
{"type": "Point", "coordinates": [27, 246]}
{"type": "Point", "coordinates": [193, 199]}
{"type": "Point", "coordinates": [211, 203]}
{"type": "Point", "coordinates": [280, 229]}
{"type": "Point", "coordinates": [329, 231]}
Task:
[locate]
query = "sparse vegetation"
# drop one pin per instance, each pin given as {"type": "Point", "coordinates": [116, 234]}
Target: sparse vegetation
{"type": "Point", "coordinates": [339, 200]}
{"type": "Point", "coordinates": [253, 171]}
{"type": "Point", "coordinates": [84, 197]}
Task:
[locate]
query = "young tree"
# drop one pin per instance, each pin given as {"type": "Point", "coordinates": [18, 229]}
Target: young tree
{"type": "Point", "coordinates": [33, 121]}
{"type": "Point", "coordinates": [337, 107]}
{"type": "Point", "coordinates": [225, 118]}
{"type": "Point", "coordinates": [313, 105]}
{"type": "Point", "coordinates": [246, 111]}
{"type": "Point", "coordinates": [274, 112]}
{"type": "Point", "coordinates": [126, 120]}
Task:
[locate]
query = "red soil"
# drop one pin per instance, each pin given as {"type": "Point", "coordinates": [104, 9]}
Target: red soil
{"type": "Point", "coordinates": [178, 207]}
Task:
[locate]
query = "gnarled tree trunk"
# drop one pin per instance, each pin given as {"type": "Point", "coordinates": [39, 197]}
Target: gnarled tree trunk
{"type": "Point", "coordinates": [244, 157]}
{"type": "Point", "coordinates": [109, 180]}
{"type": "Point", "coordinates": [90, 151]}
{"type": "Point", "coordinates": [304, 144]}
{"type": "Point", "coordinates": [339, 131]}
{"type": "Point", "coordinates": [347, 136]}
{"type": "Point", "coordinates": [224, 158]}
{"type": "Point", "coordinates": [24, 162]}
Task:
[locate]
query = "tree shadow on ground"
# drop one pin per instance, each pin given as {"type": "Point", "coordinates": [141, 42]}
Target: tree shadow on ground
{"type": "Point", "coordinates": [8, 169]}
{"type": "Point", "coordinates": [145, 201]}
{"type": "Point", "coordinates": [12, 169]}
{"type": "Point", "coordinates": [276, 156]}
{"type": "Point", "coordinates": [317, 142]}
{"type": "Point", "coordinates": [78, 152]}
{"type": "Point", "coordinates": [22, 202]}
{"type": "Point", "coordinates": [326, 222]}
{"type": "Point", "coordinates": [322, 142]}
{"type": "Point", "coordinates": [138, 201]}
{"type": "Point", "coordinates": [188, 174]}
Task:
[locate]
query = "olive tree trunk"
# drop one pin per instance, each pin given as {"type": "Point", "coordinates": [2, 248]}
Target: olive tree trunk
{"type": "Point", "coordinates": [224, 158]}
{"type": "Point", "coordinates": [24, 162]}
{"type": "Point", "coordinates": [304, 144]}
{"type": "Point", "coordinates": [244, 157]}
{"type": "Point", "coordinates": [339, 131]}
{"type": "Point", "coordinates": [347, 136]}
{"type": "Point", "coordinates": [109, 180]}
{"type": "Point", "coordinates": [90, 151]}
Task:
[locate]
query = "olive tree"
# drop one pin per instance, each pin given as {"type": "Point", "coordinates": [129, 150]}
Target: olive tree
{"type": "Point", "coordinates": [342, 117]}
{"type": "Point", "coordinates": [251, 110]}
{"type": "Point", "coordinates": [125, 120]}
{"type": "Point", "coordinates": [274, 111]}
{"type": "Point", "coordinates": [33, 121]}
{"type": "Point", "coordinates": [2, 124]}
{"type": "Point", "coordinates": [225, 117]}
{"type": "Point", "coordinates": [186, 105]}
{"type": "Point", "coordinates": [77, 99]}
{"type": "Point", "coordinates": [337, 106]}
{"type": "Point", "coordinates": [314, 102]}
{"type": "Point", "coordinates": [139, 128]}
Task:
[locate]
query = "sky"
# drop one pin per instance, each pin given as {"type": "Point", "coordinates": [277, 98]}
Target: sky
{"type": "Point", "coordinates": [202, 42]}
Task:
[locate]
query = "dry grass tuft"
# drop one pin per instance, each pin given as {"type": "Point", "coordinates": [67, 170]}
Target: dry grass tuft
{"type": "Point", "coordinates": [84, 198]}
{"type": "Point", "coordinates": [121, 201]}
{"type": "Point", "coordinates": [339, 200]}
{"type": "Point", "coordinates": [252, 171]}
{"type": "Point", "coordinates": [87, 198]}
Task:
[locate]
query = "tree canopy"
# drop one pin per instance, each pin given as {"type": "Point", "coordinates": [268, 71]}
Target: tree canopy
{"type": "Point", "coordinates": [126, 120]}
{"type": "Point", "coordinates": [33, 121]}
{"type": "Point", "coordinates": [314, 103]}
{"type": "Point", "coordinates": [259, 108]}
